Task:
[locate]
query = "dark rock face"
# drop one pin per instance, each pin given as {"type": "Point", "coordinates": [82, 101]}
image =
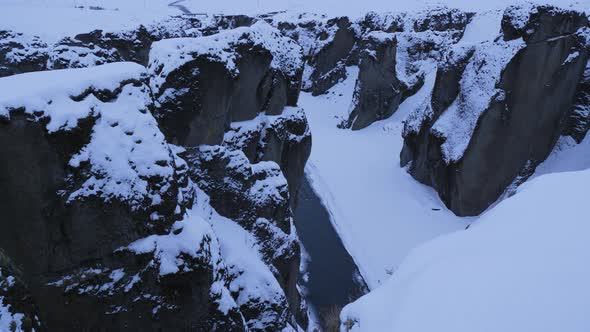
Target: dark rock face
{"type": "Point", "coordinates": [388, 22]}
{"type": "Point", "coordinates": [200, 95]}
{"type": "Point", "coordinates": [103, 221]}
{"type": "Point", "coordinates": [391, 65]}
{"type": "Point", "coordinates": [20, 53]}
{"type": "Point", "coordinates": [378, 92]}
{"type": "Point", "coordinates": [69, 223]}
{"type": "Point", "coordinates": [517, 127]}
{"type": "Point", "coordinates": [198, 111]}
{"type": "Point", "coordinates": [446, 89]}
{"type": "Point", "coordinates": [15, 298]}
{"type": "Point", "coordinates": [578, 124]}
{"type": "Point", "coordinates": [328, 61]}
{"type": "Point", "coordinates": [539, 23]}
{"type": "Point", "coordinates": [329, 45]}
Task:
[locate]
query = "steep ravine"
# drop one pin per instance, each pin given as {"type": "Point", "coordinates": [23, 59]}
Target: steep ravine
{"type": "Point", "coordinates": [165, 173]}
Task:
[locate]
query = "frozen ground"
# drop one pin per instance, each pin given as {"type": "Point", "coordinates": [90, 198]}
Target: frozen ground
{"type": "Point", "coordinates": [379, 210]}
{"type": "Point", "coordinates": [53, 19]}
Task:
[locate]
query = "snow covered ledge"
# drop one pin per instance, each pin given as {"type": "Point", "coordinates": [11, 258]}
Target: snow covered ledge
{"type": "Point", "coordinates": [486, 279]}
{"type": "Point", "coordinates": [111, 139]}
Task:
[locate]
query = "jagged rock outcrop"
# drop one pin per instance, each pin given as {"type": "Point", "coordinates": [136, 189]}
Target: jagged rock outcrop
{"type": "Point", "coordinates": [327, 44]}
{"type": "Point", "coordinates": [92, 206]}
{"type": "Point", "coordinates": [20, 53]}
{"type": "Point", "coordinates": [378, 92]}
{"type": "Point", "coordinates": [99, 47]}
{"type": "Point", "coordinates": [235, 88]}
{"type": "Point", "coordinates": [202, 85]}
{"type": "Point", "coordinates": [117, 235]}
{"type": "Point", "coordinates": [397, 49]}
{"type": "Point", "coordinates": [256, 196]}
{"type": "Point", "coordinates": [498, 110]}
{"type": "Point", "coordinates": [284, 139]}
{"type": "Point", "coordinates": [218, 23]}
{"type": "Point", "coordinates": [17, 309]}
{"type": "Point", "coordinates": [334, 46]}
{"type": "Point", "coordinates": [578, 124]}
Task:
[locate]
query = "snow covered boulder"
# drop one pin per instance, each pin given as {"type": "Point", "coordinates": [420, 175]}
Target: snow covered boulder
{"type": "Point", "coordinates": [203, 84]}
{"type": "Point", "coordinates": [93, 206]}
{"type": "Point", "coordinates": [20, 53]}
{"type": "Point", "coordinates": [497, 111]}
{"type": "Point", "coordinates": [256, 197]}
{"type": "Point", "coordinates": [378, 92]}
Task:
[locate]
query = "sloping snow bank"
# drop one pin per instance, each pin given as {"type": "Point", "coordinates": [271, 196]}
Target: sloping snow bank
{"type": "Point", "coordinates": [521, 267]}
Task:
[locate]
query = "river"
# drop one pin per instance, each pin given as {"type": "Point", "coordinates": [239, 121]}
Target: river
{"type": "Point", "coordinates": [331, 278]}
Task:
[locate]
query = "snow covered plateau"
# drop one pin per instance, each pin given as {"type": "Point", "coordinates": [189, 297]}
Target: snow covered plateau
{"type": "Point", "coordinates": [165, 164]}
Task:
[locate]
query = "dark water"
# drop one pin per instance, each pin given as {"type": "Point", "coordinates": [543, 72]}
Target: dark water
{"type": "Point", "coordinates": [333, 278]}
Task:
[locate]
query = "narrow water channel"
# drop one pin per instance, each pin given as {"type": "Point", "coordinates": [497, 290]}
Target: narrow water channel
{"type": "Point", "coordinates": [331, 279]}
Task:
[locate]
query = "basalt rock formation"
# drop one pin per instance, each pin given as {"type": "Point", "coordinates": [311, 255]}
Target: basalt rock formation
{"type": "Point", "coordinates": [243, 75]}
{"type": "Point", "coordinates": [101, 183]}
{"type": "Point", "coordinates": [159, 192]}
{"type": "Point", "coordinates": [378, 92]}
{"type": "Point", "coordinates": [395, 52]}
{"type": "Point", "coordinates": [497, 110]}
{"type": "Point", "coordinates": [121, 231]}
{"type": "Point", "coordinates": [256, 196]}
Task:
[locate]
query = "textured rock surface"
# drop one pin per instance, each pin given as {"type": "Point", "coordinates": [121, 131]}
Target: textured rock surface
{"type": "Point", "coordinates": [337, 42]}
{"type": "Point", "coordinates": [284, 139]}
{"type": "Point", "coordinates": [20, 53]}
{"type": "Point", "coordinates": [378, 92]}
{"type": "Point", "coordinates": [200, 236]}
{"type": "Point", "coordinates": [17, 309]}
{"type": "Point", "coordinates": [117, 234]}
{"type": "Point", "coordinates": [256, 196]}
{"type": "Point", "coordinates": [328, 46]}
{"type": "Point", "coordinates": [203, 84]}
{"type": "Point", "coordinates": [397, 50]}
{"type": "Point", "coordinates": [511, 105]}
{"type": "Point", "coordinates": [68, 222]}
{"type": "Point", "coordinates": [578, 124]}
